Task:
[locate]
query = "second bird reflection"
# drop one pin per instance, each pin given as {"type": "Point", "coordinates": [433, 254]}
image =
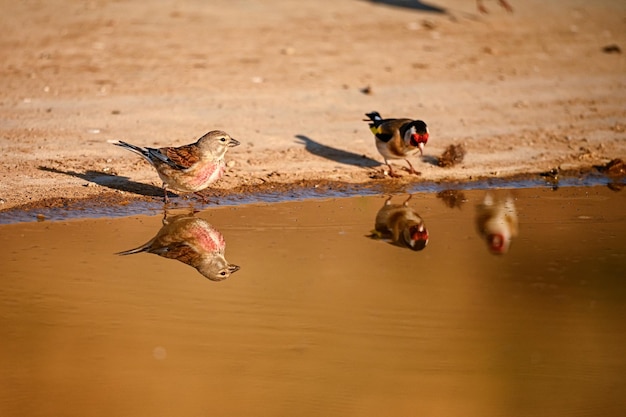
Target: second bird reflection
{"type": "Point", "coordinates": [193, 241]}
{"type": "Point", "coordinates": [496, 220]}
{"type": "Point", "coordinates": [400, 225]}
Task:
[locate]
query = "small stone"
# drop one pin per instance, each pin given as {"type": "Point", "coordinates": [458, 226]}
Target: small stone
{"type": "Point", "coordinates": [40, 217]}
{"type": "Point", "coordinates": [367, 90]}
{"type": "Point", "coordinates": [612, 49]}
{"type": "Point", "coordinates": [428, 24]}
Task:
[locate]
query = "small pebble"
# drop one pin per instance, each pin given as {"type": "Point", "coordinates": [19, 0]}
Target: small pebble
{"type": "Point", "coordinates": [612, 49]}
{"type": "Point", "coordinates": [367, 90]}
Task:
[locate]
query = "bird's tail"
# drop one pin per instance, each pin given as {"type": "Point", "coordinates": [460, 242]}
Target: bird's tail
{"type": "Point", "coordinates": [143, 248]}
{"type": "Point", "coordinates": [136, 149]}
{"type": "Point", "coordinates": [374, 118]}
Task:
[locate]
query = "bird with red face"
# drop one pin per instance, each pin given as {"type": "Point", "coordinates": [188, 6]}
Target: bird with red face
{"type": "Point", "coordinates": [398, 138]}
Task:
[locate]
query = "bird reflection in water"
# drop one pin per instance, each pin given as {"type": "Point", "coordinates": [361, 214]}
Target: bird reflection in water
{"type": "Point", "coordinates": [400, 225]}
{"type": "Point", "coordinates": [193, 241]}
{"type": "Point", "coordinates": [496, 220]}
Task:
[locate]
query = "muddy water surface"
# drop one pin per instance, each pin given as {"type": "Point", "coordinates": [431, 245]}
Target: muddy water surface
{"type": "Point", "coordinates": [515, 307]}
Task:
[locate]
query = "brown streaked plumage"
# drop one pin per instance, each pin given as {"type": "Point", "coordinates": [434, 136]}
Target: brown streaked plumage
{"type": "Point", "coordinates": [188, 168]}
{"type": "Point", "coordinates": [398, 138]}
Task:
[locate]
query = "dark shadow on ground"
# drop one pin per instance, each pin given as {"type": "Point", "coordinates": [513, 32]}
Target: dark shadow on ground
{"type": "Point", "coordinates": [430, 159]}
{"type": "Point", "coordinates": [412, 4]}
{"type": "Point", "coordinates": [337, 155]}
{"type": "Point", "coordinates": [114, 182]}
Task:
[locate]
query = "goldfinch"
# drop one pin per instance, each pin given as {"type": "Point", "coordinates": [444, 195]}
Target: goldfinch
{"type": "Point", "coordinates": [193, 241]}
{"type": "Point", "coordinates": [189, 168]}
{"type": "Point", "coordinates": [398, 138]}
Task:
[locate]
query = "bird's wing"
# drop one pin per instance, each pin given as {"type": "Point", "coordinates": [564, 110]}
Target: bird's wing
{"type": "Point", "coordinates": [179, 250]}
{"type": "Point", "coordinates": [182, 157]}
{"type": "Point", "coordinates": [388, 128]}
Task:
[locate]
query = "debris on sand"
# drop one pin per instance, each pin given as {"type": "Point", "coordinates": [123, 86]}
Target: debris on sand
{"type": "Point", "coordinates": [452, 198]}
{"type": "Point", "coordinates": [367, 90]}
{"type": "Point", "coordinates": [614, 168]}
{"type": "Point", "coordinates": [453, 155]}
{"type": "Point", "coordinates": [553, 174]}
{"type": "Point", "coordinates": [612, 49]}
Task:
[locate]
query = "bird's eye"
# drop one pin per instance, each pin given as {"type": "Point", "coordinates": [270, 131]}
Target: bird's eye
{"type": "Point", "coordinates": [223, 139]}
{"type": "Point", "coordinates": [223, 273]}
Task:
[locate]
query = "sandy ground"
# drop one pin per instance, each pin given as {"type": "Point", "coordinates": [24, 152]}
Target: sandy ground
{"type": "Point", "coordinates": [523, 92]}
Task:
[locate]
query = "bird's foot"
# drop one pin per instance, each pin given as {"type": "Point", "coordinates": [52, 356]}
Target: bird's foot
{"type": "Point", "coordinates": [392, 173]}
{"type": "Point", "coordinates": [412, 171]}
{"type": "Point", "coordinates": [203, 198]}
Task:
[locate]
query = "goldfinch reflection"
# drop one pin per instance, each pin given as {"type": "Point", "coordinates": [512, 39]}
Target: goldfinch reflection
{"type": "Point", "coordinates": [193, 241]}
{"type": "Point", "coordinates": [400, 225]}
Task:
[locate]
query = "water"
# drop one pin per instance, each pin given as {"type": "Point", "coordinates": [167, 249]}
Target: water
{"type": "Point", "coordinates": [323, 317]}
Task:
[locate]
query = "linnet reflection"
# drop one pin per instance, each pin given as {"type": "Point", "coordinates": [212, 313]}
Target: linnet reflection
{"type": "Point", "coordinates": [400, 225]}
{"type": "Point", "coordinates": [193, 241]}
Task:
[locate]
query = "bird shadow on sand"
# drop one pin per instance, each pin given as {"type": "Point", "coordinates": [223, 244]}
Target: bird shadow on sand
{"type": "Point", "coordinates": [412, 4]}
{"type": "Point", "coordinates": [337, 155]}
{"type": "Point", "coordinates": [114, 182]}
{"type": "Point", "coordinates": [430, 159]}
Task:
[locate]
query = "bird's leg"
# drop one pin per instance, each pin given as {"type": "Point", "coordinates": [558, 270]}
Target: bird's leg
{"type": "Point", "coordinates": [165, 197]}
{"type": "Point", "coordinates": [406, 202]}
{"type": "Point", "coordinates": [506, 5]}
{"type": "Point", "coordinates": [391, 173]}
{"type": "Point", "coordinates": [411, 169]}
{"type": "Point", "coordinates": [202, 197]}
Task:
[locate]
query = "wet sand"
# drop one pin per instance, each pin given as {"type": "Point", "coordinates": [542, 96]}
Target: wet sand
{"type": "Point", "coordinates": [321, 319]}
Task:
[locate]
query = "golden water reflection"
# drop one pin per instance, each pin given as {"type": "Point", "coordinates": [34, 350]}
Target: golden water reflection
{"type": "Point", "coordinates": [322, 320]}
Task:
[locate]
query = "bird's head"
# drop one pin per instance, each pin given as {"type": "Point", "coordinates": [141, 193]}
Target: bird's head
{"type": "Point", "coordinates": [418, 135]}
{"type": "Point", "coordinates": [416, 236]}
{"type": "Point", "coordinates": [216, 143]}
{"type": "Point", "coordinates": [216, 268]}
{"type": "Point", "coordinates": [498, 243]}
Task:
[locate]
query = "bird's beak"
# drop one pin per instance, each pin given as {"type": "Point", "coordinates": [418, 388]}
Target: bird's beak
{"type": "Point", "coordinates": [233, 142]}
{"type": "Point", "coordinates": [233, 268]}
{"type": "Point", "coordinates": [421, 148]}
